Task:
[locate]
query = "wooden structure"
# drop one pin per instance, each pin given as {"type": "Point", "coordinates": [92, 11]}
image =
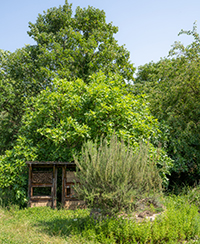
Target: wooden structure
{"type": "Point", "coordinates": [43, 175]}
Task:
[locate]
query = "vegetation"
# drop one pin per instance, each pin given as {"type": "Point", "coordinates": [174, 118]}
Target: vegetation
{"type": "Point", "coordinates": [173, 90]}
{"type": "Point", "coordinates": [179, 223]}
{"type": "Point", "coordinates": [114, 178]}
{"type": "Point", "coordinates": [71, 97]}
{"type": "Point", "coordinates": [57, 121]}
{"type": "Point", "coordinates": [68, 47]}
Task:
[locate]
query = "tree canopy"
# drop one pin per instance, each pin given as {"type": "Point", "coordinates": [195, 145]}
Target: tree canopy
{"type": "Point", "coordinates": [173, 88]}
{"type": "Point", "coordinates": [67, 46]}
{"type": "Point", "coordinates": [77, 46]}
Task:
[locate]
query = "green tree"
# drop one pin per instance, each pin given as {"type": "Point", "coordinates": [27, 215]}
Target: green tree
{"type": "Point", "coordinates": [19, 79]}
{"type": "Point", "coordinates": [68, 47]}
{"type": "Point", "coordinates": [58, 121]}
{"type": "Point", "coordinates": [173, 88]}
{"type": "Point", "coordinates": [76, 47]}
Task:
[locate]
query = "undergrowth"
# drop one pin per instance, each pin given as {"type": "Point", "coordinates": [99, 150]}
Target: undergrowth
{"type": "Point", "coordinates": [178, 223]}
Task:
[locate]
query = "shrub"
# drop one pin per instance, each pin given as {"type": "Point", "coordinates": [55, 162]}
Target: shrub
{"type": "Point", "coordinates": [113, 176]}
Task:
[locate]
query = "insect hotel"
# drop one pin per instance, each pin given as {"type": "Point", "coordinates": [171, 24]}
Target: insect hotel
{"type": "Point", "coordinates": [42, 187]}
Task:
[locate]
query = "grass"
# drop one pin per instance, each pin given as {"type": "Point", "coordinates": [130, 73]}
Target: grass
{"type": "Point", "coordinates": [180, 223]}
{"type": "Point", "coordinates": [38, 225]}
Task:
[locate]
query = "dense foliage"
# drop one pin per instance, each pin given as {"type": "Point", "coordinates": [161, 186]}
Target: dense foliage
{"type": "Point", "coordinates": [173, 89]}
{"type": "Point", "coordinates": [76, 47]}
{"type": "Point", "coordinates": [74, 85]}
{"type": "Point", "coordinates": [67, 46]}
{"type": "Point", "coordinates": [59, 120]}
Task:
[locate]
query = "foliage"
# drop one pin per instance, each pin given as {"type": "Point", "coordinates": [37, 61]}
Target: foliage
{"type": "Point", "coordinates": [59, 120]}
{"type": "Point", "coordinates": [188, 194]}
{"type": "Point", "coordinates": [173, 89]}
{"type": "Point", "coordinates": [76, 47]}
{"type": "Point", "coordinates": [114, 177]}
{"type": "Point", "coordinates": [8, 122]}
{"type": "Point", "coordinates": [179, 223]}
{"type": "Point", "coordinates": [14, 175]}
{"type": "Point", "coordinates": [68, 47]}
{"type": "Point", "coordinates": [19, 80]}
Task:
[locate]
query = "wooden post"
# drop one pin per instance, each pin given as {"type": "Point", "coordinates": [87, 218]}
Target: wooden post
{"type": "Point", "coordinates": [30, 189]}
{"type": "Point", "coordinates": [54, 186]}
{"type": "Point", "coordinates": [63, 184]}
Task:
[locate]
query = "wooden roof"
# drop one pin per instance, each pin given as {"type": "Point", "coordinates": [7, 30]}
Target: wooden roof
{"type": "Point", "coordinates": [48, 163]}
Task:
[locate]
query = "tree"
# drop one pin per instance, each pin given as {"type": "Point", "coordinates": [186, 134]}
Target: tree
{"type": "Point", "coordinates": [173, 88]}
{"type": "Point", "coordinates": [19, 80]}
{"type": "Point", "coordinates": [58, 121]}
{"type": "Point", "coordinates": [76, 47]}
{"type": "Point", "coordinates": [68, 47]}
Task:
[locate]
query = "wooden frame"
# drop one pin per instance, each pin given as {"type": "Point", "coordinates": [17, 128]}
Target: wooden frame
{"type": "Point", "coordinates": [69, 200]}
{"type": "Point", "coordinates": [48, 178]}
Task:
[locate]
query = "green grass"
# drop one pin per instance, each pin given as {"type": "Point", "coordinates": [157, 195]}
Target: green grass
{"type": "Point", "coordinates": [38, 225]}
{"type": "Point", "coordinates": [180, 222]}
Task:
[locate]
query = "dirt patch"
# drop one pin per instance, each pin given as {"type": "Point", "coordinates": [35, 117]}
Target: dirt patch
{"type": "Point", "coordinates": [144, 209]}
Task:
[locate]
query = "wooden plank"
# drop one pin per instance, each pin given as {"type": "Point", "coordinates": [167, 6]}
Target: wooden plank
{"type": "Point", "coordinates": [55, 188]}
{"type": "Point", "coordinates": [70, 175]}
{"type": "Point", "coordinates": [41, 204]}
{"type": "Point", "coordinates": [50, 163]}
{"type": "Point", "coordinates": [38, 201]}
{"type": "Point", "coordinates": [30, 190]}
{"type": "Point", "coordinates": [74, 204]}
{"type": "Point", "coordinates": [63, 184]}
{"type": "Point", "coordinates": [41, 198]}
{"type": "Point", "coordinates": [43, 166]}
{"type": "Point", "coordinates": [41, 185]}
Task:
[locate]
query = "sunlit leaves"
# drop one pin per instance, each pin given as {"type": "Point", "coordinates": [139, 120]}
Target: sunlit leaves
{"type": "Point", "coordinates": [67, 46]}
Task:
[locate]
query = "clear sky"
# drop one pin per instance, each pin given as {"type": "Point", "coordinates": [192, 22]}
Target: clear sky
{"type": "Point", "coordinates": [148, 28]}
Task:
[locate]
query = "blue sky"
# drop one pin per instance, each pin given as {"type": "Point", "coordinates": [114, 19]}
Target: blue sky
{"type": "Point", "coordinates": [148, 28]}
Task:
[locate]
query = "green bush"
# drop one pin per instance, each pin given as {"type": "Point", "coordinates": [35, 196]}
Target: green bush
{"type": "Point", "coordinates": [113, 176]}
